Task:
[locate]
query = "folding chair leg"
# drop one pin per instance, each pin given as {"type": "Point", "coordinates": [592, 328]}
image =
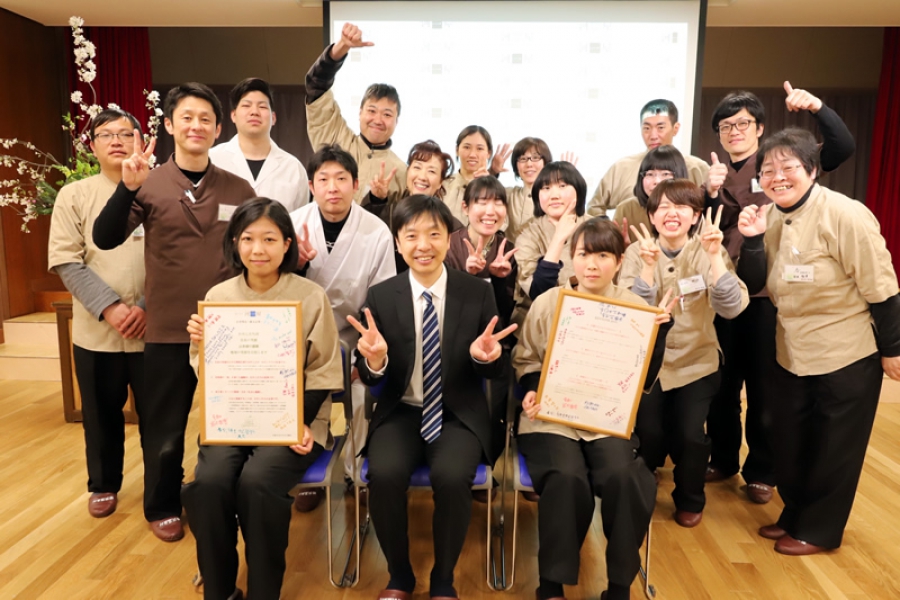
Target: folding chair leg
{"type": "Point", "coordinates": [356, 542]}
{"type": "Point", "coordinates": [329, 527]}
{"type": "Point", "coordinates": [649, 589]}
{"type": "Point", "coordinates": [512, 567]}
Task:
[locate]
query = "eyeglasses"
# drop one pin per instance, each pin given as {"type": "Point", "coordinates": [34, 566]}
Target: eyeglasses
{"type": "Point", "coordinates": [107, 137]}
{"type": "Point", "coordinates": [658, 175]}
{"type": "Point", "coordinates": [527, 159]}
{"type": "Point", "coordinates": [769, 173]}
{"type": "Point", "coordinates": [725, 128]}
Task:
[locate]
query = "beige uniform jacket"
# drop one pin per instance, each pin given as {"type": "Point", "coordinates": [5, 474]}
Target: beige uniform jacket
{"type": "Point", "coordinates": [322, 352]}
{"type": "Point", "coordinates": [618, 183]}
{"type": "Point", "coordinates": [519, 211]}
{"type": "Point", "coordinates": [825, 324]}
{"type": "Point", "coordinates": [632, 211]}
{"type": "Point", "coordinates": [528, 355]}
{"type": "Point", "coordinates": [122, 268]}
{"type": "Point", "coordinates": [692, 348]}
{"type": "Point", "coordinates": [326, 125]}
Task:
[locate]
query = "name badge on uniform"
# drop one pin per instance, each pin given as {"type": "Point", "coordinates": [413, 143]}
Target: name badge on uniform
{"type": "Point", "coordinates": [689, 285]}
{"type": "Point", "coordinates": [225, 211]}
{"type": "Point", "coordinates": [138, 231]}
{"type": "Point", "coordinates": [755, 187]}
{"type": "Point", "coordinates": [798, 273]}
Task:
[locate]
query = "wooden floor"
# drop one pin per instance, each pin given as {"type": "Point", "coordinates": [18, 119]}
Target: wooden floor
{"type": "Point", "coordinates": [51, 548]}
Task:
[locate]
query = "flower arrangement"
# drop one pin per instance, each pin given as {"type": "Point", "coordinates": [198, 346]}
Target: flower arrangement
{"type": "Point", "coordinates": [33, 193]}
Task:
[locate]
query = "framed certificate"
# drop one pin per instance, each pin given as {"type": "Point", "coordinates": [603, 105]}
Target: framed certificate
{"type": "Point", "coordinates": [594, 370]}
{"type": "Point", "coordinates": [251, 374]}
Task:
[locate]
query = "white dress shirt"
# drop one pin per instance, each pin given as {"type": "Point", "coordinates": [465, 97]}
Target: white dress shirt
{"type": "Point", "coordinates": [414, 394]}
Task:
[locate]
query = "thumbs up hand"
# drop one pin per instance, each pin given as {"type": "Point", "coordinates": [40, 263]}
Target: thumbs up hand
{"type": "Point", "coordinates": [715, 179]}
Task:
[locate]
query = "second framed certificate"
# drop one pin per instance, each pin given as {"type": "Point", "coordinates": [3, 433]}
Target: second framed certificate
{"type": "Point", "coordinates": [251, 374]}
{"type": "Point", "coordinates": [594, 370]}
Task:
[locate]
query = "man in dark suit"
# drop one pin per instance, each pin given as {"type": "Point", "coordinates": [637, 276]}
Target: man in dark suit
{"type": "Point", "coordinates": [427, 346]}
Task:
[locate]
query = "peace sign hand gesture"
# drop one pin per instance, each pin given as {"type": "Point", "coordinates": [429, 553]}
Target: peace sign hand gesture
{"type": "Point", "coordinates": [667, 305]}
{"type": "Point", "coordinates": [486, 347]}
{"type": "Point", "coordinates": [136, 167]}
{"type": "Point", "coordinates": [305, 247]}
{"type": "Point", "coordinates": [475, 263]}
{"type": "Point", "coordinates": [752, 221]}
{"type": "Point", "coordinates": [371, 344]}
{"type": "Point", "coordinates": [501, 267]}
{"type": "Point", "coordinates": [351, 37]}
{"type": "Point", "coordinates": [648, 245]}
{"type": "Point", "coordinates": [710, 235]}
{"type": "Point", "coordinates": [379, 185]}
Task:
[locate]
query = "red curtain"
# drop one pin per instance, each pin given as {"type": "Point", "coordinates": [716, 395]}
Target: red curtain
{"type": "Point", "coordinates": [123, 69]}
{"type": "Point", "coordinates": [883, 194]}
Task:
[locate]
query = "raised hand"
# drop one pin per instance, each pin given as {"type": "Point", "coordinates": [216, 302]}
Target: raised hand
{"type": "Point", "coordinates": [305, 248]}
{"type": "Point", "coordinates": [306, 442]}
{"type": "Point", "coordinates": [475, 262]}
{"type": "Point", "coordinates": [501, 267]}
{"type": "Point", "coordinates": [499, 160]}
{"type": "Point", "coordinates": [715, 179]}
{"type": "Point", "coordinates": [798, 100]}
{"type": "Point", "coordinates": [711, 235]}
{"type": "Point", "coordinates": [648, 245]}
{"type": "Point", "coordinates": [667, 305]}
{"type": "Point", "coordinates": [624, 228]}
{"type": "Point", "coordinates": [351, 37]}
{"type": "Point", "coordinates": [486, 347]}
{"type": "Point", "coordinates": [752, 221]}
{"type": "Point", "coordinates": [136, 167]}
{"type": "Point", "coordinates": [371, 344]}
{"type": "Point", "coordinates": [379, 185]}
{"type": "Point", "coordinates": [195, 328]}
{"type": "Point", "coordinates": [530, 405]}
{"type": "Point", "coordinates": [569, 157]}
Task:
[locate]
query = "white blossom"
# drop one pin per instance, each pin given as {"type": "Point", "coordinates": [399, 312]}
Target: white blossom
{"type": "Point", "coordinates": [76, 97]}
{"type": "Point", "coordinates": [88, 76]}
{"type": "Point", "coordinates": [76, 21]}
{"type": "Point", "coordinates": [113, 106]}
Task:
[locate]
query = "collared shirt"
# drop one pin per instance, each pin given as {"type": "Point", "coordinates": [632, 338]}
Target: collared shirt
{"type": "Point", "coordinates": [414, 394]}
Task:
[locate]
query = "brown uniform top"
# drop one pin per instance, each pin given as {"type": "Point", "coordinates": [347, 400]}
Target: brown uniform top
{"type": "Point", "coordinates": [825, 324]}
{"type": "Point", "coordinates": [632, 211]}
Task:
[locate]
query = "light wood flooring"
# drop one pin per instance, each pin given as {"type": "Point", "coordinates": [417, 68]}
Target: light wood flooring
{"type": "Point", "coordinates": [51, 548]}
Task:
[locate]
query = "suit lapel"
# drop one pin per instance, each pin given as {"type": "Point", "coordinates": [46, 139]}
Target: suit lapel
{"type": "Point", "coordinates": [406, 326]}
{"type": "Point", "coordinates": [453, 309]}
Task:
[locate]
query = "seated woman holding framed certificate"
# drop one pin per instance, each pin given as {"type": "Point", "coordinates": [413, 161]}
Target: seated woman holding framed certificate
{"type": "Point", "coordinates": [675, 257]}
{"type": "Point", "coordinates": [250, 484]}
{"type": "Point", "coordinates": [570, 466]}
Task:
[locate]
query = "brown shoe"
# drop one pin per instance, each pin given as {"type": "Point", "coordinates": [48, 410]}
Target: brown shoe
{"type": "Point", "coordinates": [772, 532]}
{"type": "Point", "coordinates": [760, 493]}
{"type": "Point", "coordinates": [394, 595]}
{"type": "Point", "coordinates": [168, 530]}
{"type": "Point", "coordinates": [688, 519]}
{"type": "Point", "coordinates": [793, 547]}
{"type": "Point", "coordinates": [102, 504]}
{"type": "Point", "coordinates": [308, 499]}
{"type": "Point", "coordinates": [716, 474]}
{"type": "Point", "coordinates": [531, 496]}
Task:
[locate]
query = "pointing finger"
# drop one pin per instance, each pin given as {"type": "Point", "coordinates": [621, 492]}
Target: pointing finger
{"type": "Point", "coordinates": [788, 88]}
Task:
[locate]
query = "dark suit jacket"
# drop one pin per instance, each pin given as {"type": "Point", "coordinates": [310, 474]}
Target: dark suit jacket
{"type": "Point", "coordinates": [468, 308]}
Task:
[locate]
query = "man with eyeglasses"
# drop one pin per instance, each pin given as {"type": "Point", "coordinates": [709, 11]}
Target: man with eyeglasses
{"type": "Point", "coordinates": [108, 320]}
{"type": "Point", "coordinates": [748, 341]}
{"type": "Point", "coordinates": [659, 126]}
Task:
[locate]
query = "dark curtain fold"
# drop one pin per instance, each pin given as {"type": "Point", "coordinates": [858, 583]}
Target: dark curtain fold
{"type": "Point", "coordinates": [883, 196]}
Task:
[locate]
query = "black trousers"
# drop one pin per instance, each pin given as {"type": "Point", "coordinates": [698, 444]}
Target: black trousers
{"type": "Point", "coordinates": [395, 450]}
{"type": "Point", "coordinates": [163, 414]}
{"type": "Point", "coordinates": [568, 474]}
{"type": "Point", "coordinates": [247, 485]}
{"type": "Point", "coordinates": [103, 378]}
{"type": "Point", "coordinates": [748, 343]}
{"type": "Point", "coordinates": [671, 423]}
{"type": "Point", "coordinates": [822, 429]}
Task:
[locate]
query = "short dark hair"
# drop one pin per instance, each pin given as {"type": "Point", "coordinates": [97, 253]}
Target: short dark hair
{"type": "Point", "coordinates": [799, 143]}
{"type": "Point", "coordinates": [681, 192]}
{"type": "Point", "coordinates": [424, 151]}
{"type": "Point", "coordinates": [661, 158]}
{"type": "Point", "coordinates": [412, 207]}
{"type": "Point", "coordinates": [473, 129]}
{"type": "Point", "coordinates": [600, 235]}
{"type": "Point", "coordinates": [526, 144]}
{"type": "Point", "coordinates": [197, 90]}
{"type": "Point", "coordinates": [332, 153]}
{"type": "Point", "coordinates": [248, 213]}
{"type": "Point", "coordinates": [377, 91]}
{"type": "Point", "coordinates": [553, 172]}
{"type": "Point", "coordinates": [112, 114]}
{"type": "Point", "coordinates": [251, 84]}
{"type": "Point", "coordinates": [732, 104]}
{"type": "Point", "coordinates": [487, 187]}
{"type": "Point", "coordinates": [660, 106]}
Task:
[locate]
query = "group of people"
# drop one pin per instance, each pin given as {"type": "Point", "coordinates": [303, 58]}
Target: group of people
{"type": "Point", "coordinates": [445, 284]}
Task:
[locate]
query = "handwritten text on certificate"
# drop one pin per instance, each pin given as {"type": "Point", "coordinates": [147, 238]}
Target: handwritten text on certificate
{"type": "Point", "coordinates": [594, 369]}
{"type": "Point", "coordinates": [251, 376]}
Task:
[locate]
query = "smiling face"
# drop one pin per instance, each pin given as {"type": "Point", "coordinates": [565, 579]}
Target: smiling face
{"type": "Point", "coordinates": [557, 198]}
{"type": "Point", "coordinates": [737, 143]}
{"type": "Point", "coordinates": [261, 247]}
{"type": "Point", "coordinates": [486, 215]}
{"type": "Point", "coordinates": [425, 176]}
{"type": "Point", "coordinates": [423, 243]}
{"type": "Point", "coordinates": [377, 120]}
{"type": "Point", "coordinates": [253, 116]}
{"type": "Point", "coordinates": [529, 165]}
{"type": "Point", "coordinates": [193, 126]}
{"type": "Point", "coordinates": [594, 270]}
{"type": "Point", "coordinates": [784, 179]}
{"type": "Point", "coordinates": [112, 151]}
{"type": "Point", "coordinates": [333, 188]}
{"type": "Point", "coordinates": [473, 153]}
{"type": "Point", "coordinates": [652, 178]}
{"type": "Point", "coordinates": [673, 222]}
{"type": "Point", "coordinates": [657, 130]}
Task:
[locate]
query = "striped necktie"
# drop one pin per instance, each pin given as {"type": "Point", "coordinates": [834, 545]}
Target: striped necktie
{"type": "Point", "coordinates": [431, 372]}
